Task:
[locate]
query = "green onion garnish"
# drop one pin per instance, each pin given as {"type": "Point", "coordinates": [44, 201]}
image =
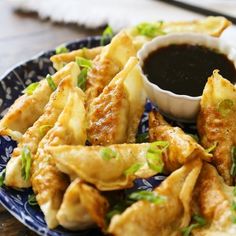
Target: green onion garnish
{"type": "Point", "coordinates": [44, 129]}
{"type": "Point", "coordinates": [152, 197]}
{"type": "Point", "coordinates": [133, 169]}
{"type": "Point", "coordinates": [2, 177]}
{"type": "Point", "coordinates": [225, 107]}
{"type": "Point", "coordinates": [212, 148]}
{"type": "Point", "coordinates": [234, 191]}
{"type": "Point", "coordinates": [26, 163]}
{"type": "Point", "coordinates": [142, 138]}
{"type": "Point", "coordinates": [51, 83]}
{"type": "Point", "coordinates": [233, 158]}
{"type": "Point", "coordinates": [32, 200]}
{"type": "Point", "coordinates": [150, 29]}
{"type": "Point", "coordinates": [30, 89]}
{"type": "Point", "coordinates": [158, 146]}
{"type": "Point", "coordinates": [118, 208]}
{"type": "Point", "coordinates": [107, 33]}
{"type": "Point", "coordinates": [82, 78]}
{"type": "Point", "coordinates": [200, 222]}
{"type": "Point", "coordinates": [107, 153]}
{"type": "Point", "coordinates": [154, 155]}
{"type": "Point", "coordinates": [61, 49]}
{"type": "Point", "coordinates": [82, 62]}
{"type": "Point", "coordinates": [233, 211]}
{"type": "Point", "coordinates": [155, 161]}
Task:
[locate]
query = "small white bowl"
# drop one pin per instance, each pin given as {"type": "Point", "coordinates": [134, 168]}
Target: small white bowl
{"type": "Point", "coordinates": [180, 107]}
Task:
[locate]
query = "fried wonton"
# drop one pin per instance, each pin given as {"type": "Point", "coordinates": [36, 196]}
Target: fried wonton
{"type": "Point", "coordinates": [28, 108]}
{"type": "Point", "coordinates": [34, 134]}
{"type": "Point", "coordinates": [112, 59]}
{"type": "Point", "coordinates": [108, 168]}
{"type": "Point", "coordinates": [62, 59]}
{"type": "Point", "coordinates": [216, 123]}
{"type": "Point", "coordinates": [211, 25]}
{"type": "Point", "coordinates": [216, 203]}
{"type": "Point", "coordinates": [82, 207]}
{"type": "Point", "coordinates": [48, 183]}
{"type": "Point", "coordinates": [164, 219]}
{"type": "Point", "coordinates": [113, 116]}
{"type": "Point", "coordinates": [182, 147]}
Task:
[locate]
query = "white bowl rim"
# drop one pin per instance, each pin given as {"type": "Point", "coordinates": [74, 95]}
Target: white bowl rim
{"type": "Point", "coordinates": [189, 35]}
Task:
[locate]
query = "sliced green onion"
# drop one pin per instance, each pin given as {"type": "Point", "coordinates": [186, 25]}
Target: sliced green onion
{"type": "Point", "coordinates": [61, 49]}
{"type": "Point", "coordinates": [107, 33]}
{"type": "Point", "coordinates": [82, 78]}
{"type": "Point", "coordinates": [32, 200]}
{"type": "Point", "coordinates": [233, 206]}
{"type": "Point", "coordinates": [233, 211]}
{"type": "Point", "coordinates": [225, 107]}
{"type": "Point", "coordinates": [186, 231]}
{"type": "Point", "coordinates": [31, 88]}
{"type": "Point", "coordinates": [2, 177]}
{"type": "Point", "coordinates": [200, 222]}
{"type": "Point", "coordinates": [233, 219]}
{"type": "Point", "coordinates": [155, 162]}
{"type": "Point", "coordinates": [142, 138]}
{"type": "Point", "coordinates": [26, 163]}
{"type": "Point", "coordinates": [133, 169]}
{"type": "Point", "coordinates": [107, 153]}
{"type": "Point", "coordinates": [152, 197]}
{"type": "Point", "coordinates": [51, 83]}
{"type": "Point", "coordinates": [234, 191]}
{"type": "Point", "coordinates": [233, 158]}
{"type": "Point", "coordinates": [150, 29]}
{"type": "Point", "coordinates": [44, 129]}
{"type": "Point", "coordinates": [118, 208]}
{"type": "Point", "coordinates": [154, 155]}
{"type": "Point", "coordinates": [82, 62]}
{"type": "Point", "coordinates": [212, 148]}
{"type": "Point", "coordinates": [158, 146]}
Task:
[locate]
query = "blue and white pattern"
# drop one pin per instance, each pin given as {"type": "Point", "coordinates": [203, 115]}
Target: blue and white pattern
{"type": "Point", "coordinates": [15, 200]}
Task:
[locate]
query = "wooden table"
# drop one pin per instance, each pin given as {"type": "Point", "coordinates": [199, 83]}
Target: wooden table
{"type": "Point", "coordinates": [21, 37]}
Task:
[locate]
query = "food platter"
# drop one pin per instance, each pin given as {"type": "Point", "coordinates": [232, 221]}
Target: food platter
{"type": "Point", "coordinates": [97, 147]}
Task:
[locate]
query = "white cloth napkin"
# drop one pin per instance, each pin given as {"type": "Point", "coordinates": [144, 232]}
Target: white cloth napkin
{"type": "Point", "coordinates": [118, 13]}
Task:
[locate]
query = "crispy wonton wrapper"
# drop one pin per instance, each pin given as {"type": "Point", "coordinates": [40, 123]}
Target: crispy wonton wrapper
{"type": "Point", "coordinates": [164, 219]}
{"type": "Point", "coordinates": [114, 116]}
{"type": "Point", "coordinates": [28, 108]}
{"type": "Point", "coordinates": [216, 123]}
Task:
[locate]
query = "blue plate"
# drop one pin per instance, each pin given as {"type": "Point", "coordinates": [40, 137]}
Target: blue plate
{"type": "Point", "coordinates": [11, 85]}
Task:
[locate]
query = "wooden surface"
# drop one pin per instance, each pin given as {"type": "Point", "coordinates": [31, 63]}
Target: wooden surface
{"type": "Point", "coordinates": [21, 37]}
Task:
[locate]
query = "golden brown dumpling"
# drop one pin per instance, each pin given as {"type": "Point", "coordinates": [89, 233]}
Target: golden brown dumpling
{"type": "Point", "coordinates": [216, 123]}
{"type": "Point", "coordinates": [211, 25]}
{"type": "Point", "coordinates": [82, 207]}
{"type": "Point", "coordinates": [113, 116]}
{"type": "Point", "coordinates": [111, 61]}
{"type": "Point", "coordinates": [48, 183]}
{"type": "Point", "coordinates": [182, 147]}
{"type": "Point", "coordinates": [34, 134]}
{"type": "Point", "coordinates": [60, 60]}
{"type": "Point", "coordinates": [164, 219]}
{"type": "Point", "coordinates": [105, 167]}
{"type": "Point", "coordinates": [28, 108]}
{"type": "Point", "coordinates": [216, 203]}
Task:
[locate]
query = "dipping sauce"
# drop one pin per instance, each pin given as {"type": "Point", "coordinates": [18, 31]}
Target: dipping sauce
{"type": "Point", "coordinates": [184, 68]}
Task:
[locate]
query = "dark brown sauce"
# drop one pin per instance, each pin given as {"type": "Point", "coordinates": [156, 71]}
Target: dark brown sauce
{"type": "Point", "coordinates": [184, 69]}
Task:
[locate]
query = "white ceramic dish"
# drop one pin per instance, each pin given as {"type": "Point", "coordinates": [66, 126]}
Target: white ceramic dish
{"type": "Point", "coordinates": [180, 107]}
